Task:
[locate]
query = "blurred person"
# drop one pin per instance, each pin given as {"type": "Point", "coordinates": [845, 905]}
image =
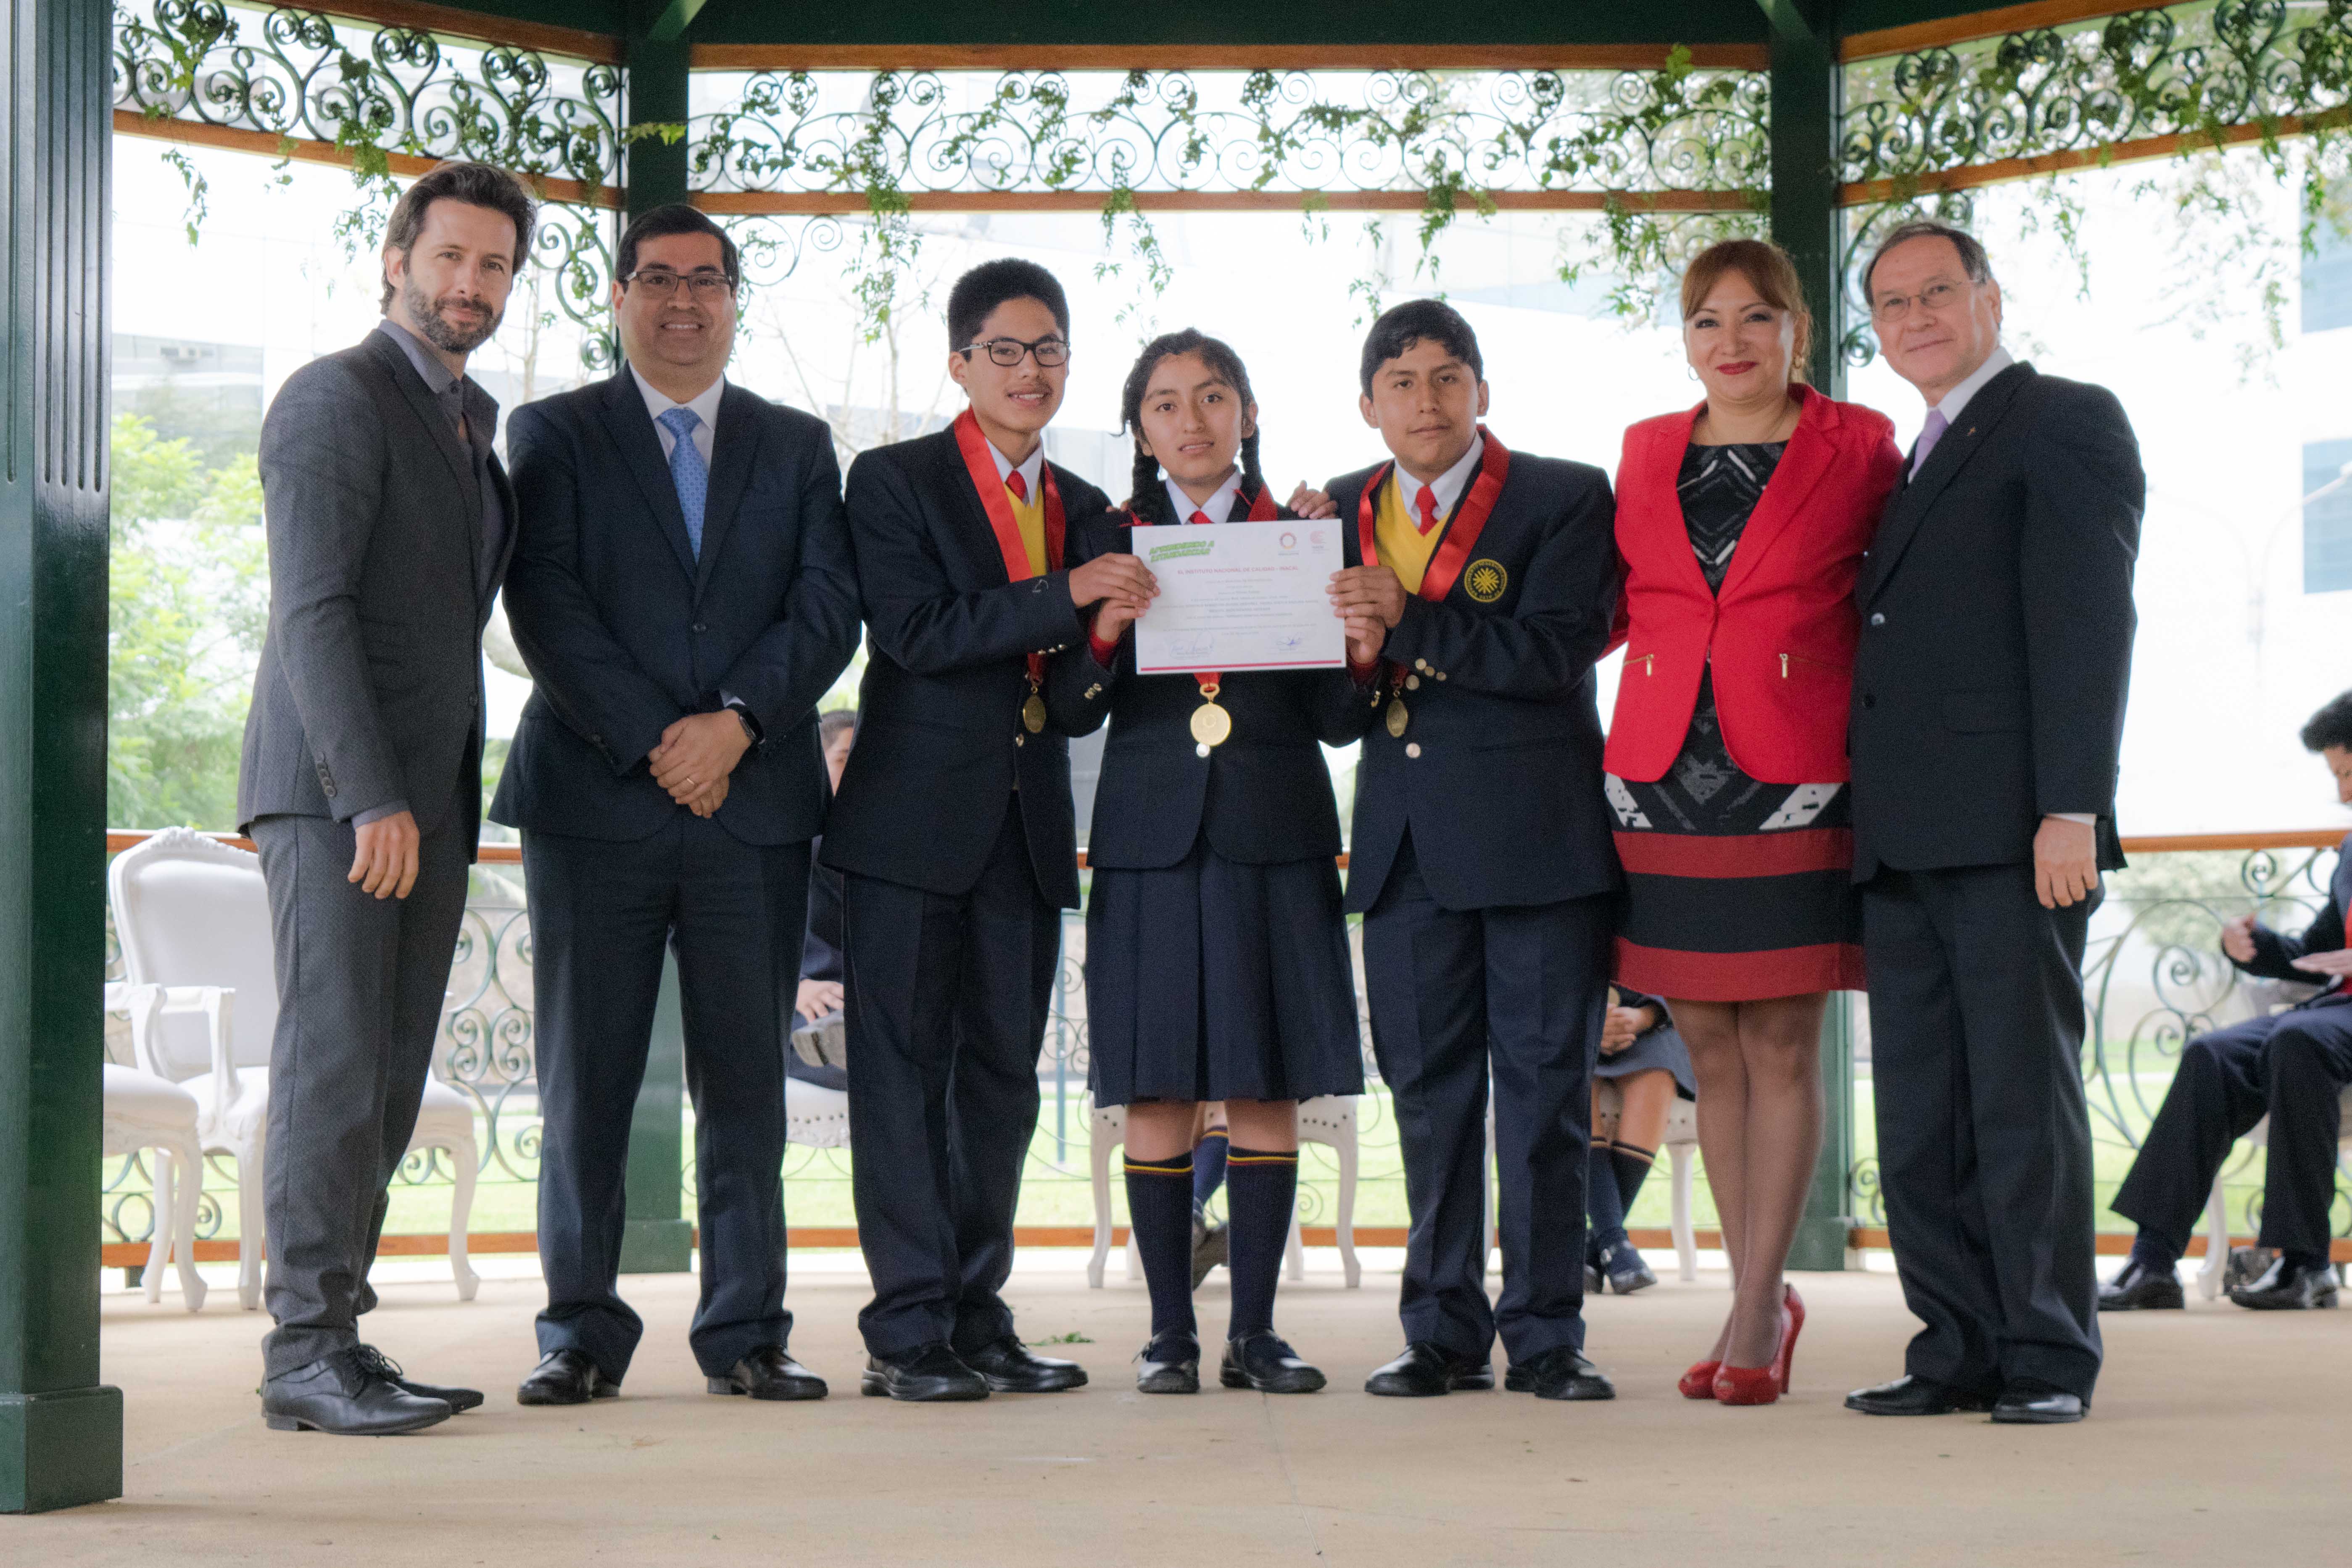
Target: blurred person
{"type": "Point", "coordinates": [1643, 1054]}
{"type": "Point", "coordinates": [817, 994]}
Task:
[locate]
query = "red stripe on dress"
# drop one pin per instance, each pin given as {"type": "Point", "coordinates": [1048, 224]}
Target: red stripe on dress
{"type": "Point", "coordinates": [1739, 976]}
{"type": "Point", "coordinates": [1798, 849]}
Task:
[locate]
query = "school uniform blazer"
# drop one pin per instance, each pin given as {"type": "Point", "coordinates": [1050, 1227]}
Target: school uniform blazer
{"type": "Point", "coordinates": [1997, 631]}
{"type": "Point", "coordinates": [1498, 776]}
{"type": "Point", "coordinates": [940, 749]}
{"type": "Point", "coordinates": [1263, 797]}
{"type": "Point", "coordinates": [627, 629]}
{"type": "Point", "coordinates": [1780, 631]}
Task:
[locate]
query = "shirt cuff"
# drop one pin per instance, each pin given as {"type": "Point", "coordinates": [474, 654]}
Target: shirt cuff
{"type": "Point", "coordinates": [1104, 652]}
{"type": "Point", "coordinates": [2087, 819]}
{"type": "Point", "coordinates": [1365, 674]}
{"type": "Point", "coordinates": [378, 813]}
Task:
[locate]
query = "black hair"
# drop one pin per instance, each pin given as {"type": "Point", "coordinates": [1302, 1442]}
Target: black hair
{"type": "Point", "coordinates": [977, 293]}
{"type": "Point", "coordinates": [1149, 500]}
{"type": "Point", "coordinates": [833, 721]}
{"type": "Point", "coordinates": [2331, 726]}
{"type": "Point", "coordinates": [1402, 326]}
{"type": "Point", "coordinates": [677, 218]}
{"type": "Point", "coordinates": [1973, 259]}
{"type": "Point", "coordinates": [476, 184]}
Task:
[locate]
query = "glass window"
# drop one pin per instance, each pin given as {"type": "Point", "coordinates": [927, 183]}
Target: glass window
{"type": "Point", "coordinates": [2328, 521]}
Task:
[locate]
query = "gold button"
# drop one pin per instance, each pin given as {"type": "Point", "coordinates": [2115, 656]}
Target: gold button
{"type": "Point", "coordinates": [1420, 664]}
{"type": "Point", "coordinates": [1440, 674]}
{"type": "Point", "coordinates": [1018, 739]}
{"type": "Point", "coordinates": [1413, 683]}
{"type": "Point", "coordinates": [1413, 748]}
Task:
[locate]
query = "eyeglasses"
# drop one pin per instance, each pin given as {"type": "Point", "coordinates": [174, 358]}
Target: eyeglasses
{"type": "Point", "coordinates": [661, 282]}
{"type": "Point", "coordinates": [1935, 299]}
{"type": "Point", "coordinates": [1007, 351]}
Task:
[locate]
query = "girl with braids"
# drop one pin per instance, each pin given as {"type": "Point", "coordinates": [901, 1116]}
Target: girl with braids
{"type": "Point", "coordinates": [1216, 953]}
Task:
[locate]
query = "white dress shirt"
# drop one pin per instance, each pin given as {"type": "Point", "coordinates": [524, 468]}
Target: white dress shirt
{"type": "Point", "coordinates": [705, 404]}
{"type": "Point", "coordinates": [1958, 397]}
{"type": "Point", "coordinates": [1031, 469]}
{"type": "Point", "coordinates": [1447, 487]}
{"type": "Point", "coordinates": [1220, 506]}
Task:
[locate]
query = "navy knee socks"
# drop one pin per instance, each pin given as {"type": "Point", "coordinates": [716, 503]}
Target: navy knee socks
{"type": "Point", "coordinates": [1160, 1216]}
{"type": "Point", "coordinates": [1262, 1191]}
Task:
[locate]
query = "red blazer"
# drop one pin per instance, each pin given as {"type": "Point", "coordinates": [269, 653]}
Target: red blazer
{"type": "Point", "coordinates": [1781, 632]}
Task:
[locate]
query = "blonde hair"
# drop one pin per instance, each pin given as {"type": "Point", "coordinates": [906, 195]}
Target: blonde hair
{"type": "Point", "coordinates": [1769, 271]}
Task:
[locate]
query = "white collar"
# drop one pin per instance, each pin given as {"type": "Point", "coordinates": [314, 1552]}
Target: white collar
{"type": "Point", "coordinates": [1220, 507]}
{"type": "Point", "coordinates": [705, 402]}
{"type": "Point", "coordinates": [1448, 486]}
{"type": "Point", "coordinates": [1029, 470]}
{"type": "Point", "coordinates": [1957, 398]}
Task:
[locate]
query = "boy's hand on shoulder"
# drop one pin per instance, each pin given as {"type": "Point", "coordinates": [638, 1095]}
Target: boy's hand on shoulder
{"type": "Point", "coordinates": [1310, 503]}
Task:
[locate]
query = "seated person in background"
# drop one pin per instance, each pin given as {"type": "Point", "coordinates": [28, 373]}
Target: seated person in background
{"type": "Point", "coordinates": [1212, 1244]}
{"type": "Point", "coordinates": [819, 996]}
{"type": "Point", "coordinates": [2292, 1067]}
{"type": "Point", "coordinates": [1640, 1053]}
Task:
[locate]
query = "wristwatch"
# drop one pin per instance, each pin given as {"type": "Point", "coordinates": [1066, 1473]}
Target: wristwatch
{"type": "Point", "coordinates": [743, 716]}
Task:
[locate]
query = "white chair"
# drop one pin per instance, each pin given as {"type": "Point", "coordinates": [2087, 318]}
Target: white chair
{"type": "Point", "coordinates": [816, 1117]}
{"type": "Point", "coordinates": [2217, 1214]}
{"type": "Point", "coordinates": [193, 917]}
{"type": "Point", "coordinates": [141, 1111]}
{"type": "Point", "coordinates": [1681, 1140]}
{"type": "Point", "coordinates": [1329, 1119]}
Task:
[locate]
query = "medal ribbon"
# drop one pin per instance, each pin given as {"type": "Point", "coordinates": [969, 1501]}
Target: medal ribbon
{"type": "Point", "coordinates": [1261, 509]}
{"type": "Point", "coordinates": [991, 486]}
{"type": "Point", "coordinates": [1470, 517]}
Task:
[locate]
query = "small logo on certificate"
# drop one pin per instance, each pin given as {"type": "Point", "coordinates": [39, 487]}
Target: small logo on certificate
{"type": "Point", "coordinates": [1485, 581]}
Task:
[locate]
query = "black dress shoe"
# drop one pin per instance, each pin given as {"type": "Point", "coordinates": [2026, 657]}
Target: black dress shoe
{"type": "Point", "coordinates": [1425, 1370]}
{"type": "Point", "coordinates": [1625, 1270]}
{"type": "Point", "coordinates": [1594, 1285]}
{"type": "Point", "coordinates": [385, 1367]}
{"type": "Point", "coordinates": [2141, 1288]}
{"type": "Point", "coordinates": [2037, 1405]}
{"type": "Point", "coordinates": [1169, 1365]}
{"type": "Point", "coordinates": [1263, 1361]}
{"type": "Point", "coordinates": [769, 1373]}
{"type": "Point", "coordinates": [1560, 1373]}
{"type": "Point", "coordinates": [566, 1377]}
{"type": "Point", "coordinates": [1908, 1395]}
{"type": "Point", "coordinates": [1011, 1367]}
{"type": "Point", "coordinates": [2287, 1287]}
{"type": "Point", "coordinates": [926, 1375]}
{"type": "Point", "coordinates": [344, 1394]}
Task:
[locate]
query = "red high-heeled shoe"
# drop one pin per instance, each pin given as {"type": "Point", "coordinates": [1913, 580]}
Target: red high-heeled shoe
{"type": "Point", "coordinates": [1764, 1384]}
{"type": "Point", "coordinates": [1698, 1383]}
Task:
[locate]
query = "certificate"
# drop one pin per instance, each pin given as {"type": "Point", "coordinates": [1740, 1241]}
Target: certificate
{"type": "Point", "coordinates": [1240, 596]}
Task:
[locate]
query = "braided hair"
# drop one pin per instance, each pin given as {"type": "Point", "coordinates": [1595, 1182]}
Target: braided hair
{"type": "Point", "coordinates": [1149, 500]}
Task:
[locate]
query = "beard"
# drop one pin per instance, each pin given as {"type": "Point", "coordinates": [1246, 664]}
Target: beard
{"type": "Point", "coordinates": [441, 334]}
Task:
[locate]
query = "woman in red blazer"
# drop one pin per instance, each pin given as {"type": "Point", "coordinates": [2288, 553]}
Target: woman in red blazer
{"type": "Point", "coordinates": [1742, 523]}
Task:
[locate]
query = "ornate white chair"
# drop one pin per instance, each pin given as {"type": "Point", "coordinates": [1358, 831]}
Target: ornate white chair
{"type": "Point", "coordinates": [816, 1117]}
{"type": "Point", "coordinates": [193, 917]}
{"type": "Point", "coordinates": [143, 1111]}
{"type": "Point", "coordinates": [1330, 1120]}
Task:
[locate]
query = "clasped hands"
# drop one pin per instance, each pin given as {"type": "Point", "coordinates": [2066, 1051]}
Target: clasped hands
{"type": "Point", "coordinates": [696, 755]}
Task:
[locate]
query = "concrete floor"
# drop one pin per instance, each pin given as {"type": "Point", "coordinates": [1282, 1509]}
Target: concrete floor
{"type": "Point", "coordinates": [2216, 1429]}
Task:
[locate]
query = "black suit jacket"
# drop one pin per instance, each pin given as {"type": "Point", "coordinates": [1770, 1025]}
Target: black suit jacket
{"type": "Point", "coordinates": [1503, 798]}
{"type": "Point", "coordinates": [627, 630]}
{"type": "Point", "coordinates": [1263, 796]}
{"type": "Point", "coordinates": [940, 746]}
{"type": "Point", "coordinates": [2275, 952]}
{"type": "Point", "coordinates": [1997, 631]}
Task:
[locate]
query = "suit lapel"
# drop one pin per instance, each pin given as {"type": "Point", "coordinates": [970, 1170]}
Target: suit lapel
{"type": "Point", "coordinates": [421, 403]}
{"type": "Point", "coordinates": [1801, 468]}
{"type": "Point", "coordinates": [1909, 507]}
{"type": "Point", "coordinates": [1662, 472]}
{"type": "Point", "coordinates": [734, 453]}
{"type": "Point", "coordinates": [623, 412]}
{"type": "Point", "coordinates": [975, 536]}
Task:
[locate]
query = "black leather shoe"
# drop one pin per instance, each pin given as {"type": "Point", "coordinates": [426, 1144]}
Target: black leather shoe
{"type": "Point", "coordinates": [1425, 1370]}
{"type": "Point", "coordinates": [1560, 1373]}
{"type": "Point", "coordinates": [1908, 1395]}
{"type": "Point", "coordinates": [1169, 1365]}
{"type": "Point", "coordinates": [2287, 1287]}
{"type": "Point", "coordinates": [769, 1373]}
{"type": "Point", "coordinates": [344, 1394]}
{"type": "Point", "coordinates": [2037, 1405]}
{"type": "Point", "coordinates": [926, 1375]}
{"type": "Point", "coordinates": [1625, 1270]}
{"type": "Point", "coordinates": [1594, 1284]}
{"type": "Point", "coordinates": [1011, 1367]}
{"type": "Point", "coordinates": [1212, 1249]}
{"type": "Point", "coordinates": [1263, 1361]}
{"type": "Point", "coordinates": [2141, 1288]}
{"type": "Point", "coordinates": [385, 1367]}
{"type": "Point", "coordinates": [566, 1377]}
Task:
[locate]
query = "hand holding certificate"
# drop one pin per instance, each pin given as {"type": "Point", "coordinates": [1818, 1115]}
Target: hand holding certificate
{"type": "Point", "coordinates": [1240, 596]}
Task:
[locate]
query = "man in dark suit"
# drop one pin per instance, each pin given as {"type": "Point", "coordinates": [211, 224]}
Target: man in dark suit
{"type": "Point", "coordinates": [954, 839]}
{"type": "Point", "coordinates": [1988, 716]}
{"type": "Point", "coordinates": [1479, 593]}
{"type": "Point", "coordinates": [684, 594]}
{"type": "Point", "coordinates": [390, 524]}
{"type": "Point", "coordinates": [2290, 1065]}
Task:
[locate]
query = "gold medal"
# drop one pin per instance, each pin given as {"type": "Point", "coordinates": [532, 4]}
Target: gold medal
{"type": "Point", "coordinates": [1397, 718]}
{"type": "Point", "coordinates": [1033, 713]}
{"type": "Point", "coordinates": [1212, 725]}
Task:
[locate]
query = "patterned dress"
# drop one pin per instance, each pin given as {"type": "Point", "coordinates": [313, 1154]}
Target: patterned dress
{"type": "Point", "coordinates": [1751, 929]}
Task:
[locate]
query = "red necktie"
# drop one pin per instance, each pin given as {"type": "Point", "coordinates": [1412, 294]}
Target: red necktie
{"type": "Point", "coordinates": [1201, 517]}
{"type": "Point", "coordinates": [1017, 485]}
{"type": "Point", "coordinates": [1427, 501]}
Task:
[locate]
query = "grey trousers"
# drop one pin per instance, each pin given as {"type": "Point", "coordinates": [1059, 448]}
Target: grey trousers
{"type": "Point", "coordinates": [360, 986]}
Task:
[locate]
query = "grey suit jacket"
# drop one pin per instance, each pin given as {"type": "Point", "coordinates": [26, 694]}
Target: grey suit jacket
{"type": "Point", "coordinates": [370, 688]}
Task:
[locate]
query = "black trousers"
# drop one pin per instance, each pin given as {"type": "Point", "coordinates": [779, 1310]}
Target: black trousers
{"type": "Point", "coordinates": [948, 995]}
{"type": "Point", "coordinates": [601, 915]}
{"type": "Point", "coordinates": [1457, 994]}
{"type": "Point", "coordinates": [360, 986]}
{"type": "Point", "coordinates": [2290, 1067]}
{"type": "Point", "coordinates": [1984, 1140]}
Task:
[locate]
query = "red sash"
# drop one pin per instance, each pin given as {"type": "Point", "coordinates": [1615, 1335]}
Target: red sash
{"type": "Point", "coordinates": [982, 467]}
{"type": "Point", "coordinates": [1469, 519]}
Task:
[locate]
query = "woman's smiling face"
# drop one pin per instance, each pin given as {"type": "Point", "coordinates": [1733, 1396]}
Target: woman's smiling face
{"type": "Point", "coordinates": [1193, 422]}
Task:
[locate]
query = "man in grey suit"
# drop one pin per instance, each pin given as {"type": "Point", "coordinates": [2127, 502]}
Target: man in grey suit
{"type": "Point", "coordinates": [390, 525]}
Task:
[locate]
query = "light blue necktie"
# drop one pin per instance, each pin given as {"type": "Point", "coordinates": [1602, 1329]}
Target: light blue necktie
{"type": "Point", "coordinates": [688, 471]}
{"type": "Point", "coordinates": [1929, 434]}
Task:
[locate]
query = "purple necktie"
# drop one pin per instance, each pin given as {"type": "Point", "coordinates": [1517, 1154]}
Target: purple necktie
{"type": "Point", "coordinates": [1929, 434]}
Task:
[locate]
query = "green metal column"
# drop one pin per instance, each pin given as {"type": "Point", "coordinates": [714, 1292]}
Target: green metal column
{"type": "Point", "coordinates": [1806, 103]}
{"type": "Point", "coordinates": [61, 1429]}
{"type": "Point", "coordinates": [656, 1236]}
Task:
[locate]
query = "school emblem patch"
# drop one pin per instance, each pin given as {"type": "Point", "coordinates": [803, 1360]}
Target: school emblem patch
{"type": "Point", "coordinates": [1485, 581]}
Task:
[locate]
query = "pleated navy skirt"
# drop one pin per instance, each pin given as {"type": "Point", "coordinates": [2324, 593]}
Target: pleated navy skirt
{"type": "Point", "coordinates": [1214, 980]}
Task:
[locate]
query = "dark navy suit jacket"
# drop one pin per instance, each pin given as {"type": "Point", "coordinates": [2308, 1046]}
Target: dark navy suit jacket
{"type": "Point", "coordinates": [2275, 952]}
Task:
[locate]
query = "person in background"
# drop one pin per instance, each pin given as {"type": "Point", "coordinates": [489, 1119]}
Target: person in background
{"type": "Point", "coordinates": [1212, 1244]}
{"type": "Point", "coordinates": [818, 994]}
{"type": "Point", "coordinates": [1643, 1055]}
{"type": "Point", "coordinates": [2289, 1066]}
